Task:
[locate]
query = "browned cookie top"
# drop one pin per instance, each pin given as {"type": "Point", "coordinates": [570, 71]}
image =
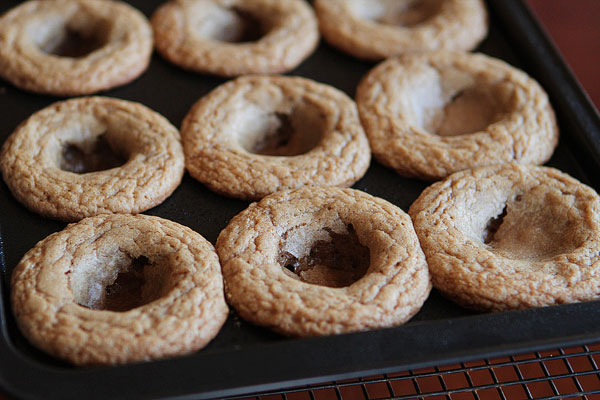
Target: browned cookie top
{"type": "Point", "coordinates": [235, 37]}
{"type": "Point", "coordinates": [89, 156]}
{"type": "Point", "coordinates": [378, 29]}
{"type": "Point", "coordinates": [318, 261]}
{"type": "Point", "coordinates": [259, 134]}
{"type": "Point", "coordinates": [118, 288]}
{"type": "Point", "coordinates": [73, 47]}
{"type": "Point", "coordinates": [429, 115]}
{"type": "Point", "coordinates": [511, 236]}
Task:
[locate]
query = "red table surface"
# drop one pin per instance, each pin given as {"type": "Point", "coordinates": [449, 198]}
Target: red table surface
{"type": "Point", "coordinates": [574, 26]}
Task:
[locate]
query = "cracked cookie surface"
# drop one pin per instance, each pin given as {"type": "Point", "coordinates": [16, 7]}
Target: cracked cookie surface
{"type": "Point", "coordinates": [119, 288]}
{"type": "Point", "coordinates": [89, 156]}
{"type": "Point", "coordinates": [235, 37]}
{"type": "Point", "coordinates": [433, 114]}
{"type": "Point", "coordinates": [317, 261]}
{"type": "Point", "coordinates": [259, 134]}
{"type": "Point", "coordinates": [378, 29]}
{"type": "Point", "coordinates": [73, 47]}
{"type": "Point", "coordinates": [511, 236]}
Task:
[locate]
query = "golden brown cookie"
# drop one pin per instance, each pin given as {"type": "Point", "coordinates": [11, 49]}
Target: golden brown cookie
{"type": "Point", "coordinates": [259, 134]}
{"type": "Point", "coordinates": [378, 29]}
{"type": "Point", "coordinates": [235, 37]}
{"type": "Point", "coordinates": [88, 156]}
{"type": "Point", "coordinates": [432, 114]}
{"type": "Point", "coordinates": [511, 236]}
{"type": "Point", "coordinates": [319, 261]}
{"type": "Point", "coordinates": [118, 288]}
{"type": "Point", "coordinates": [73, 47]}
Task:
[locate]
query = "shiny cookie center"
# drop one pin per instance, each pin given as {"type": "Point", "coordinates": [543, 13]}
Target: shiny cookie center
{"type": "Point", "coordinates": [337, 262]}
{"type": "Point", "coordinates": [121, 287]}
{"type": "Point", "coordinates": [76, 37]}
{"type": "Point", "coordinates": [282, 133]}
{"type": "Point", "coordinates": [95, 154]}
{"type": "Point", "coordinates": [404, 13]}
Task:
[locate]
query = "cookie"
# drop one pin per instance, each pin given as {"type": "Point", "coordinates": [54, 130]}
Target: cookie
{"type": "Point", "coordinates": [73, 47]}
{"type": "Point", "coordinates": [433, 114]}
{"type": "Point", "coordinates": [378, 29]}
{"type": "Point", "coordinates": [235, 37]}
{"type": "Point", "coordinates": [511, 236]}
{"type": "Point", "coordinates": [118, 288]}
{"type": "Point", "coordinates": [259, 134]}
{"type": "Point", "coordinates": [319, 261]}
{"type": "Point", "coordinates": [88, 156]}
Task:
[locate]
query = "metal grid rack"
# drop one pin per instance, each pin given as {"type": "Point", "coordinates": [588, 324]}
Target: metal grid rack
{"type": "Point", "coordinates": [570, 373]}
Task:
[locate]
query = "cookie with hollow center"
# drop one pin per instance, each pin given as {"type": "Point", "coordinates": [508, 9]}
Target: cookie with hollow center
{"type": "Point", "coordinates": [89, 156]}
{"type": "Point", "coordinates": [511, 236]}
{"type": "Point", "coordinates": [378, 29]}
{"type": "Point", "coordinates": [319, 261]}
{"type": "Point", "coordinates": [433, 114]}
{"type": "Point", "coordinates": [235, 37]}
{"type": "Point", "coordinates": [118, 288]}
{"type": "Point", "coordinates": [259, 134]}
{"type": "Point", "coordinates": [73, 47]}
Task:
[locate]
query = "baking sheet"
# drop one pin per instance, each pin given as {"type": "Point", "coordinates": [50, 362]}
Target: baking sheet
{"type": "Point", "coordinates": [245, 358]}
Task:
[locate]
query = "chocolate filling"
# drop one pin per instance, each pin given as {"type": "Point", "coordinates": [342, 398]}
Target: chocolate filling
{"type": "Point", "coordinates": [73, 43]}
{"type": "Point", "coordinates": [126, 291]}
{"type": "Point", "coordinates": [492, 227]}
{"type": "Point", "coordinates": [86, 157]}
{"type": "Point", "coordinates": [283, 134]}
{"type": "Point", "coordinates": [251, 28]}
{"type": "Point", "coordinates": [277, 142]}
{"type": "Point", "coordinates": [336, 263]}
{"type": "Point", "coordinates": [132, 285]}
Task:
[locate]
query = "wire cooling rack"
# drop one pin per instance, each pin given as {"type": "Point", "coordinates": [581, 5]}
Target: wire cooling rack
{"type": "Point", "coordinates": [570, 373]}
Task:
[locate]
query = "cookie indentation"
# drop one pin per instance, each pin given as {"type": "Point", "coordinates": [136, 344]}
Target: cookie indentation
{"type": "Point", "coordinates": [406, 13]}
{"type": "Point", "coordinates": [90, 156]}
{"type": "Point", "coordinates": [537, 229]}
{"type": "Point", "coordinates": [282, 134]}
{"type": "Point", "coordinates": [75, 43]}
{"type": "Point", "coordinates": [121, 285]}
{"type": "Point", "coordinates": [224, 24]}
{"type": "Point", "coordinates": [337, 262]}
{"type": "Point", "coordinates": [469, 110]}
{"type": "Point", "coordinates": [133, 287]}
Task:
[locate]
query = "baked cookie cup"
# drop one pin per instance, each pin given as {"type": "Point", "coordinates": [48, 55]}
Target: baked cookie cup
{"type": "Point", "coordinates": [73, 47]}
{"type": "Point", "coordinates": [260, 134]}
{"type": "Point", "coordinates": [320, 261]}
{"type": "Point", "coordinates": [235, 37]}
{"type": "Point", "coordinates": [119, 288]}
{"type": "Point", "coordinates": [511, 236]}
{"type": "Point", "coordinates": [379, 29]}
{"type": "Point", "coordinates": [92, 155]}
{"type": "Point", "coordinates": [429, 115]}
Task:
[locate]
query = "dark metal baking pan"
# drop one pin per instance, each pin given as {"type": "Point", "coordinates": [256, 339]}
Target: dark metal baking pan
{"type": "Point", "coordinates": [244, 358]}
